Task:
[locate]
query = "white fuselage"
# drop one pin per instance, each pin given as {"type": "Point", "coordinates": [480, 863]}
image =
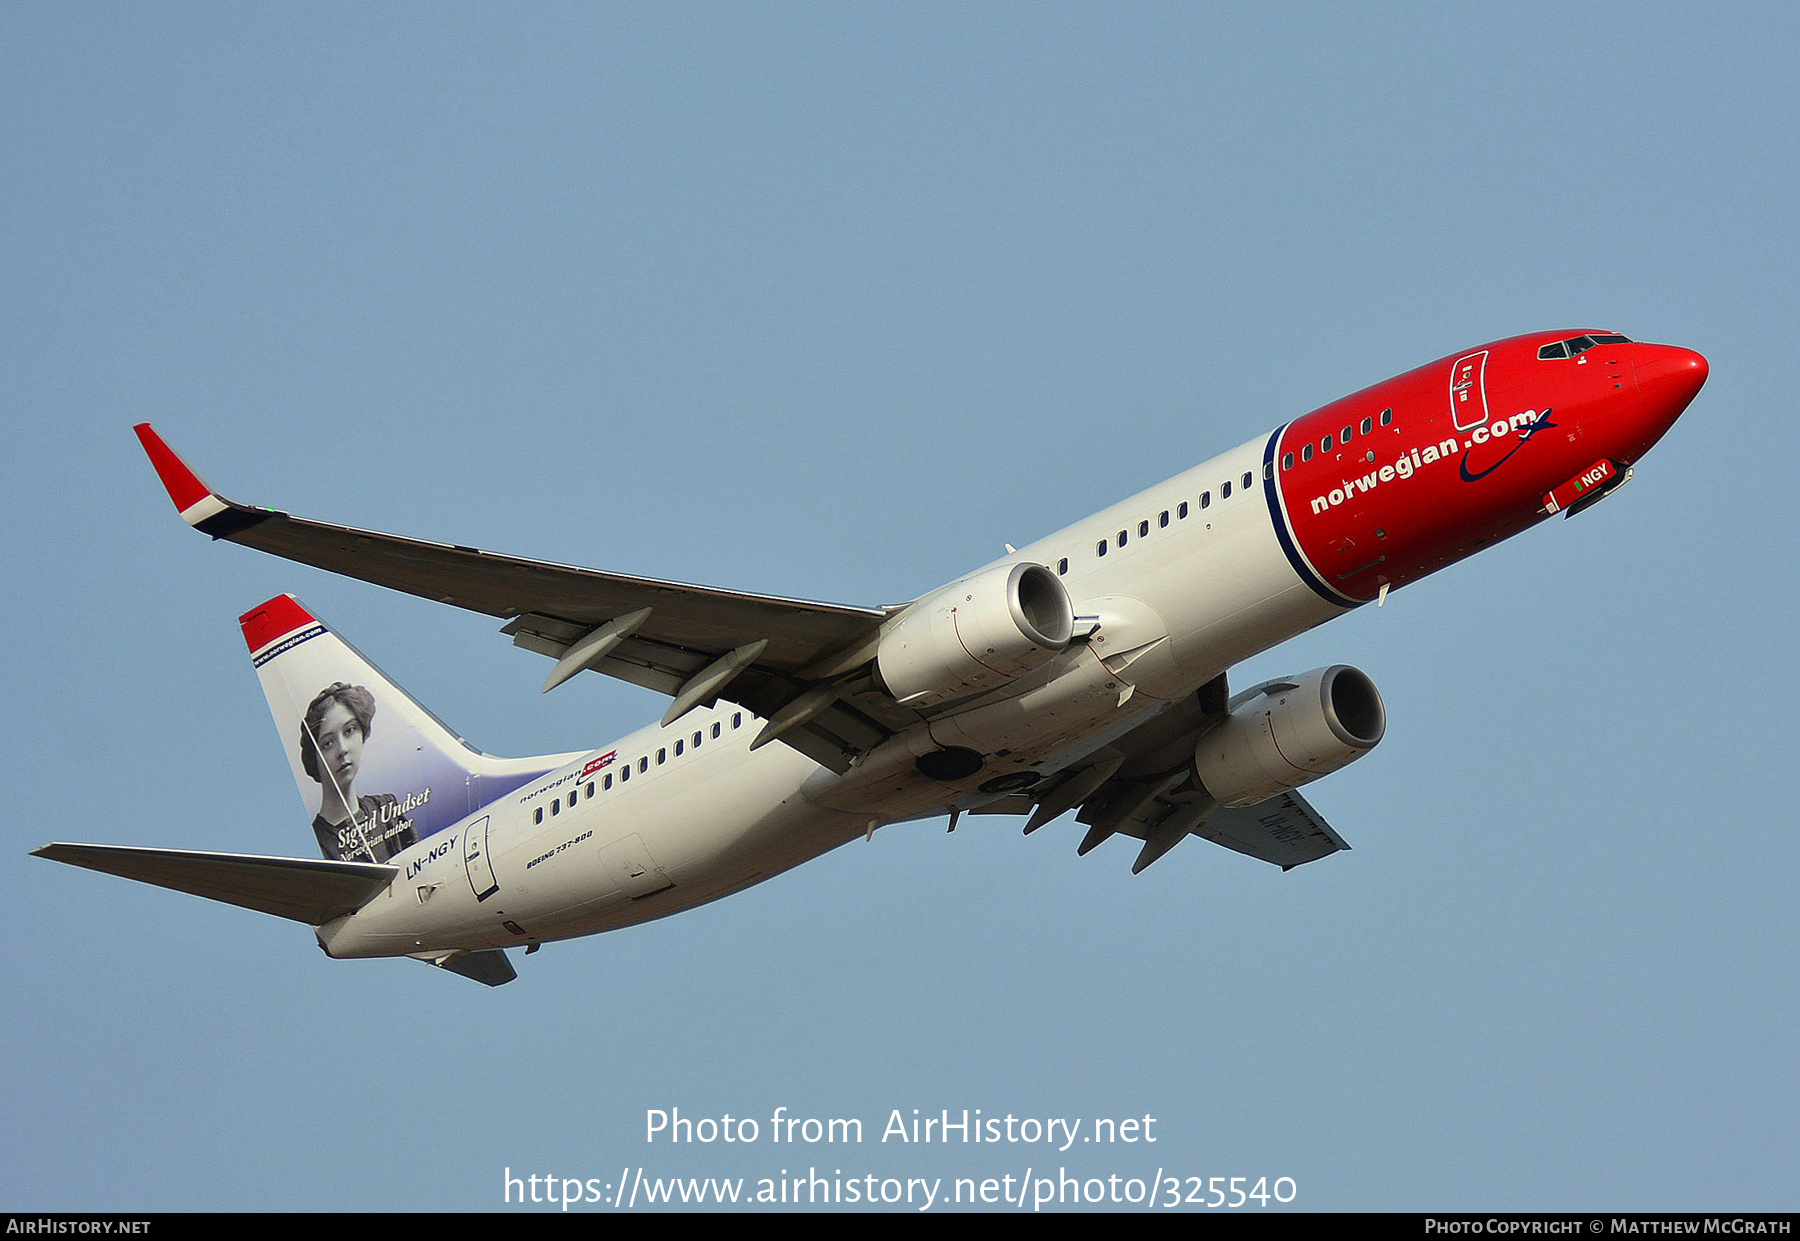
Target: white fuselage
{"type": "Point", "coordinates": [1189, 592]}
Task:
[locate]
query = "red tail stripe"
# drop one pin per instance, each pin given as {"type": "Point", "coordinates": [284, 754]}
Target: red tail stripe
{"type": "Point", "coordinates": [275, 619]}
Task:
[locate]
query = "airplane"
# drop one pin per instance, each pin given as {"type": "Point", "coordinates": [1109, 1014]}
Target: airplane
{"type": "Point", "coordinates": [1084, 672]}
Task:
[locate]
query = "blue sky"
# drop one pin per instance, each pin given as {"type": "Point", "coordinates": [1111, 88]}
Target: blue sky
{"type": "Point", "coordinates": [833, 301]}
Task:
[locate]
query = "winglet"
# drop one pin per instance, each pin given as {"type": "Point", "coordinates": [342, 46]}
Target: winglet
{"type": "Point", "coordinates": [184, 486]}
{"type": "Point", "coordinates": [199, 505]}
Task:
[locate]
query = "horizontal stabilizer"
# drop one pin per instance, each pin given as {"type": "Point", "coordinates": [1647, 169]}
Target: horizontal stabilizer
{"type": "Point", "coordinates": [313, 891]}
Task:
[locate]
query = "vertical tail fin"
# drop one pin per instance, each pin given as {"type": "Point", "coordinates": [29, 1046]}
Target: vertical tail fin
{"type": "Point", "coordinates": [377, 771]}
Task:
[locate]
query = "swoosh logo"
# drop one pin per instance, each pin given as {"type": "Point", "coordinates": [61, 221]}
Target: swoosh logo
{"type": "Point", "coordinates": [1540, 423]}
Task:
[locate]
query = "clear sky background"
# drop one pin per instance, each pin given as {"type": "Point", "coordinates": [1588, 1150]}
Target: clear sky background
{"type": "Point", "coordinates": [832, 301]}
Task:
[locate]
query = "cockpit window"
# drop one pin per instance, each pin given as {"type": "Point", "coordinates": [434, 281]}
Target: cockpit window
{"type": "Point", "coordinates": [1577, 345]}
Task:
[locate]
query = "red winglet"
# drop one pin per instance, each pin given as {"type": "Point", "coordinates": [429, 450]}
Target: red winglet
{"type": "Point", "coordinates": [184, 486]}
{"type": "Point", "coordinates": [275, 619]}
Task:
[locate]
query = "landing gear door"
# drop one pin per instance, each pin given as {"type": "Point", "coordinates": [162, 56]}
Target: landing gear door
{"type": "Point", "coordinates": [475, 860]}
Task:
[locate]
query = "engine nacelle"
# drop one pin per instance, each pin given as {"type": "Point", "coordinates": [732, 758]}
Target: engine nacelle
{"type": "Point", "coordinates": [976, 634]}
{"type": "Point", "coordinates": [1290, 732]}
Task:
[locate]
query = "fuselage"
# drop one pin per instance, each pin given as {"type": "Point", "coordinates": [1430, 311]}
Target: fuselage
{"type": "Point", "coordinates": [1174, 586]}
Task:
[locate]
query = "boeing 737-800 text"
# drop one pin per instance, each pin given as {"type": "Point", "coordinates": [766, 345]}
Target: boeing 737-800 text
{"type": "Point", "coordinates": [1084, 672]}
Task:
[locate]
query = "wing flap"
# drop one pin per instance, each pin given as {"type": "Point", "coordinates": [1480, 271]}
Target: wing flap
{"type": "Point", "coordinates": [697, 617]}
{"type": "Point", "coordinates": [309, 890]}
{"type": "Point", "coordinates": [1283, 829]}
{"type": "Point", "coordinates": [831, 738]}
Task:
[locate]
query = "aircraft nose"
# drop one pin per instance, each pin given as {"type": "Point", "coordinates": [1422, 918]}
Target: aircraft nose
{"type": "Point", "coordinates": [1669, 377]}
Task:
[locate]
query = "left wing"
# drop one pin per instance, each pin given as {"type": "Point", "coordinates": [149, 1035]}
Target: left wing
{"type": "Point", "coordinates": [695, 643]}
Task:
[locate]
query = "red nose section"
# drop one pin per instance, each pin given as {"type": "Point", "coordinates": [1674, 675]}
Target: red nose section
{"type": "Point", "coordinates": [1669, 377]}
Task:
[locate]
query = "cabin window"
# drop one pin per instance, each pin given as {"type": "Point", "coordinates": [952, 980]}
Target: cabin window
{"type": "Point", "coordinates": [1225, 490]}
{"type": "Point", "coordinates": [1368, 425]}
{"type": "Point", "coordinates": [1062, 566]}
{"type": "Point", "coordinates": [644, 763]}
{"type": "Point", "coordinates": [662, 755]}
{"type": "Point", "coordinates": [625, 773]}
{"type": "Point", "coordinates": [737, 719]}
{"type": "Point", "coordinates": [1163, 520]}
{"type": "Point", "coordinates": [716, 728]}
{"type": "Point", "coordinates": [555, 808]}
{"type": "Point", "coordinates": [1326, 446]}
{"type": "Point", "coordinates": [1143, 529]}
{"type": "Point", "coordinates": [1181, 509]}
{"type": "Point", "coordinates": [607, 783]}
{"type": "Point", "coordinates": [537, 816]}
{"type": "Point", "coordinates": [1100, 548]}
{"type": "Point", "coordinates": [1387, 417]}
{"type": "Point", "coordinates": [1287, 461]}
{"type": "Point", "coordinates": [697, 739]}
{"type": "Point", "coordinates": [1122, 536]}
{"type": "Point", "coordinates": [1344, 436]}
{"type": "Point", "coordinates": [1249, 478]}
{"type": "Point", "coordinates": [574, 796]}
{"type": "Point", "coordinates": [1306, 453]}
{"type": "Point", "coordinates": [678, 748]}
{"type": "Point", "coordinates": [1206, 499]}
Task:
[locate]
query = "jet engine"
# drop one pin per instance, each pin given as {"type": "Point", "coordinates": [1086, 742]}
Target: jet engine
{"type": "Point", "coordinates": [975, 634]}
{"type": "Point", "coordinates": [1289, 732]}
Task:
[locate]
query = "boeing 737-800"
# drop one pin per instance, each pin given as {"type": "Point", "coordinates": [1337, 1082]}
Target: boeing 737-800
{"type": "Point", "coordinates": [1085, 672]}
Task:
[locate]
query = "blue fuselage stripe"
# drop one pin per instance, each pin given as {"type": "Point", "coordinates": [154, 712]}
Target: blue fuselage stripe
{"type": "Point", "coordinates": [1278, 518]}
